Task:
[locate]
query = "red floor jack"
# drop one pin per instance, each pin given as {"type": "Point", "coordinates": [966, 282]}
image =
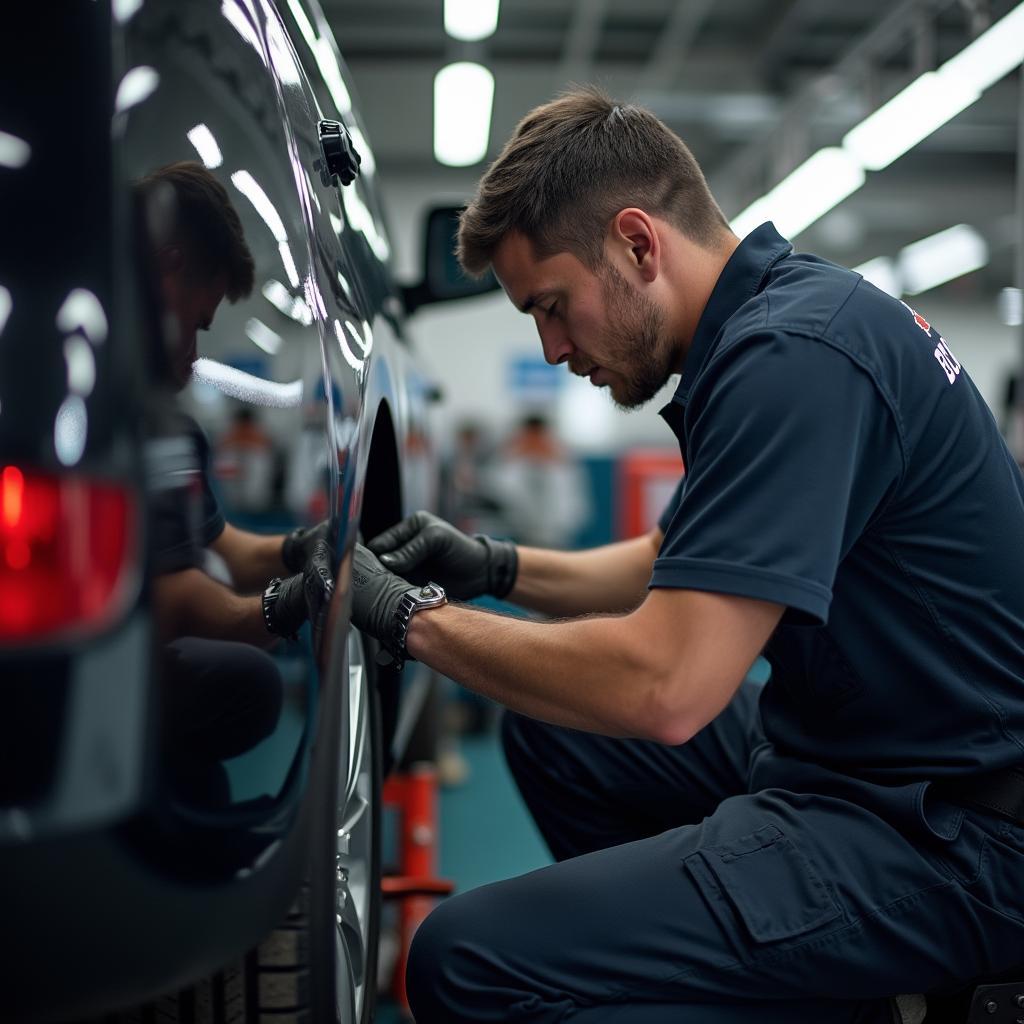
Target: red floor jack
{"type": "Point", "coordinates": [413, 795]}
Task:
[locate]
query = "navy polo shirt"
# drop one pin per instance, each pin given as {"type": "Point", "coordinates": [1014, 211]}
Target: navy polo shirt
{"type": "Point", "coordinates": [185, 516]}
{"type": "Point", "coordinates": [841, 462]}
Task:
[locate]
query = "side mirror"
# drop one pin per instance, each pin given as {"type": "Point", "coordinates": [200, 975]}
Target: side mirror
{"type": "Point", "coordinates": [443, 278]}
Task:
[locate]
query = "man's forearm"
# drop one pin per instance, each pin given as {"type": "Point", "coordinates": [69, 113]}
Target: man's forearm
{"type": "Point", "coordinates": [190, 603]}
{"type": "Point", "coordinates": [585, 674]}
{"type": "Point", "coordinates": [253, 558]}
{"type": "Point", "coordinates": [608, 579]}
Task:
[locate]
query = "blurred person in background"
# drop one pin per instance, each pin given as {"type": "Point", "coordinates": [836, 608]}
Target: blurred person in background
{"type": "Point", "coordinates": [468, 494]}
{"type": "Point", "coordinates": [541, 488]}
{"type": "Point", "coordinates": [244, 463]}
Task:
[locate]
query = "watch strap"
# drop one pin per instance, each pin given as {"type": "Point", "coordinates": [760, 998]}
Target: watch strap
{"type": "Point", "coordinates": [411, 602]}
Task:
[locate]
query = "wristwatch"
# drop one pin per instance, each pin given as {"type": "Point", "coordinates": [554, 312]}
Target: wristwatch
{"type": "Point", "coordinates": [413, 600]}
{"type": "Point", "coordinates": [270, 598]}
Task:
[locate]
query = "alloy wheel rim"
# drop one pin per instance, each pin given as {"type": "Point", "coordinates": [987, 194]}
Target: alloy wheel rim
{"type": "Point", "coordinates": [353, 871]}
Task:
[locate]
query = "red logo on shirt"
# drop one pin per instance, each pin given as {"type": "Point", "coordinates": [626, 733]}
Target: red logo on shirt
{"type": "Point", "coordinates": [918, 319]}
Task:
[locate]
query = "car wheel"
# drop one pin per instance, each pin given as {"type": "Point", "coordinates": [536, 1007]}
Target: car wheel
{"type": "Point", "coordinates": [345, 940]}
{"type": "Point", "coordinates": [319, 966]}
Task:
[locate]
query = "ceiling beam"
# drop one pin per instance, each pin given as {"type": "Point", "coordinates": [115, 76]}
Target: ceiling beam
{"type": "Point", "coordinates": [582, 39]}
{"type": "Point", "coordinates": [674, 43]}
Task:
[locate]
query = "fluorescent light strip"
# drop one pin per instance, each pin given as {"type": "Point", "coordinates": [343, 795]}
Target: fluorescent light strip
{"type": "Point", "coordinates": [14, 152]}
{"type": "Point", "coordinates": [6, 304]}
{"type": "Point", "coordinates": [137, 85]}
{"type": "Point", "coordinates": [206, 146]}
{"type": "Point", "coordinates": [82, 311]}
{"type": "Point", "coordinates": [1011, 307]}
{"type": "Point", "coordinates": [910, 116]}
{"type": "Point", "coordinates": [243, 26]}
{"type": "Point", "coordinates": [920, 109]}
{"type": "Point", "coordinates": [815, 187]}
{"type": "Point", "coordinates": [463, 96]}
{"type": "Point", "coordinates": [938, 96]}
{"type": "Point", "coordinates": [470, 20]}
{"type": "Point", "coordinates": [941, 257]}
{"type": "Point", "coordinates": [125, 9]}
{"type": "Point", "coordinates": [247, 387]}
{"type": "Point", "coordinates": [995, 53]}
{"type": "Point", "coordinates": [291, 305]}
{"type": "Point", "coordinates": [882, 273]}
{"type": "Point", "coordinates": [262, 336]}
{"type": "Point", "coordinates": [291, 271]}
{"type": "Point", "coordinates": [251, 189]}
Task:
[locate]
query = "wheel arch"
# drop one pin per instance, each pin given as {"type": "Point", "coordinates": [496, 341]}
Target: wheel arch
{"type": "Point", "coordinates": [382, 485]}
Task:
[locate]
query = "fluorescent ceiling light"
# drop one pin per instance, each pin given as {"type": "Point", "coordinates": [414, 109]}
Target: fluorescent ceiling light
{"type": "Point", "coordinates": [253, 191]}
{"type": "Point", "coordinates": [291, 271]}
{"type": "Point", "coordinates": [923, 106]}
{"type": "Point", "coordinates": [910, 116]}
{"type": "Point", "coordinates": [882, 273]}
{"type": "Point", "coordinates": [14, 152]}
{"type": "Point", "coordinates": [70, 430]}
{"type": "Point", "coordinates": [940, 258]}
{"type": "Point", "coordinates": [291, 305]}
{"type": "Point", "coordinates": [463, 95]}
{"type": "Point", "coordinates": [323, 54]}
{"type": "Point", "coordinates": [938, 96]}
{"type": "Point", "coordinates": [819, 183]}
{"type": "Point", "coordinates": [206, 146]}
{"type": "Point", "coordinates": [137, 85]}
{"type": "Point", "coordinates": [262, 336]}
{"type": "Point", "coordinates": [82, 311]}
{"type": "Point", "coordinates": [1011, 307]}
{"type": "Point", "coordinates": [247, 387]}
{"type": "Point", "coordinates": [995, 53]}
{"type": "Point", "coordinates": [125, 9]}
{"type": "Point", "coordinates": [6, 304]}
{"type": "Point", "coordinates": [470, 20]}
{"type": "Point", "coordinates": [243, 26]}
{"type": "Point", "coordinates": [756, 213]}
{"type": "Point", "coordinates": [81, 364]}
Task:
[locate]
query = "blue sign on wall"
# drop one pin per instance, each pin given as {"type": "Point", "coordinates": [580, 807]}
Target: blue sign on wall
{"type": "Point", "coordinates": [530, 378]}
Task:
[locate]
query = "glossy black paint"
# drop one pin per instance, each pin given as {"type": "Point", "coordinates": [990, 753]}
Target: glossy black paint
{"type": "Point", "coordinates": [108, 897]}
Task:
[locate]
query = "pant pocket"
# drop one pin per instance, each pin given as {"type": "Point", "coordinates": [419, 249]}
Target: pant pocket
{"type": "Point", "coordinates": [767, 882]}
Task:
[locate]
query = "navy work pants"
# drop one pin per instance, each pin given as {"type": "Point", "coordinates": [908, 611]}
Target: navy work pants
{"type": "Point", "coordinates": [681, 898]}
{"type": "Point", "coordinates": [219, 698]}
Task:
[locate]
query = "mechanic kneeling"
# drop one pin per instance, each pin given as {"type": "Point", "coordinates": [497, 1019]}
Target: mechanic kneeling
{"type": "Point", "coordinates": [805, 853]}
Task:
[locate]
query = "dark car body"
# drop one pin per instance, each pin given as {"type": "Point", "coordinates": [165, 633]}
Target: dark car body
{"type": "Point", "coordinates": [109, 898]}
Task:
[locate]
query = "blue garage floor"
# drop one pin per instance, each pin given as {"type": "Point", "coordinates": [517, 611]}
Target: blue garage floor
{"type": "Point", "coordinates": [486, 832]}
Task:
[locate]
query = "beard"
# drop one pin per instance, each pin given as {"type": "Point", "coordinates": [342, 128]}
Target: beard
{"type": "Point", "coordinates": [636, 327]}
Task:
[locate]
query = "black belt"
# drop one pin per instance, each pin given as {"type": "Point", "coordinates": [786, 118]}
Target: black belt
{"type": "Point", "coordinates": [1000, 792]}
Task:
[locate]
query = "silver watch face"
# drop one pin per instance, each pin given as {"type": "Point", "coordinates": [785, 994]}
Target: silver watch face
{"type": "Point", "coordinates": [428, 594]}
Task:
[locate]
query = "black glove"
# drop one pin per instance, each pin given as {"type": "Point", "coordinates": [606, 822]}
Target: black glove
{"type": "Point", "coordinates": [425, 548]}
{"type": "Point", "coordinates": [303, 596]}
{"type": "Point", "coordinates": [298, 545]}
{"type": "Point", "coordinates": [376, 594]}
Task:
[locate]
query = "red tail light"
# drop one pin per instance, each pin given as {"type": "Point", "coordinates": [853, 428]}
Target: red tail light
{"type": "Point", "coordinates": [66, 553]}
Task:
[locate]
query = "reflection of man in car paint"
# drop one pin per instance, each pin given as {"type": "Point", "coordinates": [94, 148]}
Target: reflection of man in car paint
{"type": "Point", "coordinates": [222, 693]}
{"type": "Point", "coordinates": [795, 854]}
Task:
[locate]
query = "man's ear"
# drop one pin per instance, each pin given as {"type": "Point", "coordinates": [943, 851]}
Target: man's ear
{"type": "Point", "coordinates": [170, 259]}
{"type": "Point", "coordinates": [635, 234]}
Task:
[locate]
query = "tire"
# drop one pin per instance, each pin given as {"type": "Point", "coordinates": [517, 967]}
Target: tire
{"type": "Point", "coordinates": [319, 965]}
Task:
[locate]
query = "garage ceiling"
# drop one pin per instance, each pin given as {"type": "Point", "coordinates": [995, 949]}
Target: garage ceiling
{"type": "Point", "coordinates": [752, 86]}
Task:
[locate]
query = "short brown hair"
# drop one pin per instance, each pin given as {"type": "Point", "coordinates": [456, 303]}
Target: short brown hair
{"type": "Point", "coordinates": [204, 222]}
{"type": "Point", "coordinates": [570, 166]}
